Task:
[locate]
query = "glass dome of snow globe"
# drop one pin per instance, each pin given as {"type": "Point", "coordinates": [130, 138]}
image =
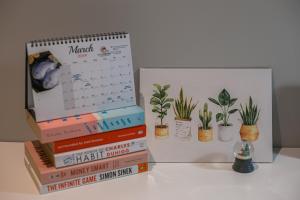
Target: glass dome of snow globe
{"type": "Point", "coordinates": [243, 154]}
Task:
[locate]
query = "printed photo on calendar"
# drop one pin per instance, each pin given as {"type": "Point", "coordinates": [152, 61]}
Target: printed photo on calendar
{"type": "Point", "coordinates": [44, 71]}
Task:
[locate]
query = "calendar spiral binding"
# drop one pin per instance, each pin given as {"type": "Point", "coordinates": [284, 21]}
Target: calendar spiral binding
{"type": "Point", "coordinates": [78, 39]}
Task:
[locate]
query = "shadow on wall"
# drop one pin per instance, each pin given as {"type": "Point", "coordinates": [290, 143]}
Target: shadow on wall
{"type": "Point", "coordinates": [286, 118]}
{"type": "Point", "coordinates": [275, 118]}
{"type": "Point", "coordinates": [13, 126]}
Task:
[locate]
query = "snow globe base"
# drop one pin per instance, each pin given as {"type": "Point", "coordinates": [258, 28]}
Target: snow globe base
{"type": "Point", "coordinates": [243, 166]}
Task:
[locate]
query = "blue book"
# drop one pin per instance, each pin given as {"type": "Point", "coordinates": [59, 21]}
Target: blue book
{"type": "Point", "coordinates": [87, 124]}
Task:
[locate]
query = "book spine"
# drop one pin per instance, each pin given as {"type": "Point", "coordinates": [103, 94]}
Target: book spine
{"type": "Point", "coordinates": [47, 173]}
{"type": "Point", "coordinates": [82, 125]}
{"type": "Point", "coordinates": [31, 122]}
{"type": "Point", "coordinates": [99, 152]}
{"type": "Point", "coordinates": [85, 180]}
{"type": "Point", "coordinates": [98, 139]}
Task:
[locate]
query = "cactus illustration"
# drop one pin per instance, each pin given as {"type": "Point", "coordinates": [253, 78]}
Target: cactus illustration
{"type": "Point", "coordinates": [205, 117]}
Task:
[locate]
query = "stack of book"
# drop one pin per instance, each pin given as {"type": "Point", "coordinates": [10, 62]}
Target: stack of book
{"type": "Point", "coordinates": [85, 148]}
{"type": "Point", "coordinates": [101, 146]}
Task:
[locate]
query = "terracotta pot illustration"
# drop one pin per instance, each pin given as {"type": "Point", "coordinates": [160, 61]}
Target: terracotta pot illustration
{"type": "Point", "coordinates": [161, 103]}
{"type": "Point", "coordinates": [250, 115]}
{"type": "Point", "coordinates": [205, 135]}
{"type": "Point", "coordinates": [161, 131]}
{"type": "Point", "coordinates": [249, 133]}
{"type": "Point", "coordinates": [183, 128]}
{"type": "Point", "coordinates": [225, 133]}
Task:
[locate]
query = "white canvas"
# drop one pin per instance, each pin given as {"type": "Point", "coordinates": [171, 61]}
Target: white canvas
{"type": "Point", "coordinates": [200, 84]}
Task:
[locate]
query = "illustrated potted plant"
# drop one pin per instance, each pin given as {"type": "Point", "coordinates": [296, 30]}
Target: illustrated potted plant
{"type": "Point", "coordinates": [225, 102]}
{"type": "Point", "coordinates": [250, 116]}
{"type": "Point", "coordinates": [205, 132]}
{"type": "Point", "coordinates": [160, 105]}
{"type": "Point", "coordinates": [183, 109]}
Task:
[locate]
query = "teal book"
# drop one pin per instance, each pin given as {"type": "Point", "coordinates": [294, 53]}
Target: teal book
{"type": "Point", "coordinates": [87, 124]}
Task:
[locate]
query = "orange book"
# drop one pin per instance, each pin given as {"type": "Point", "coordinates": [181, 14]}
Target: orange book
{"type": "Point", "coordinates": [98, 139]}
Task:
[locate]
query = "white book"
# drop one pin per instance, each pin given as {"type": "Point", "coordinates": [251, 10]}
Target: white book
{"type": "Point", "coordinates": [96, 153]}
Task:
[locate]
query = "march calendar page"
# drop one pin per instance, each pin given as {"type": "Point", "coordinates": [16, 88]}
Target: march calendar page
{"type": "Point", "coordinates": [79, 75]}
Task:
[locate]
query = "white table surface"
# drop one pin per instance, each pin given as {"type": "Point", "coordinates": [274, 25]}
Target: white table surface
{"type": "Point", "coordinates": [182, 181]}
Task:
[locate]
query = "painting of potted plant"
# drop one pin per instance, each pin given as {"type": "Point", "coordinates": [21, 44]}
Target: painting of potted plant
{"type": "Point", "coordinates": [225, 102]}
{"type": "Point", "coordinates": [205, 132]}
{"type": "Point", "coordinates": [161, 103]}
{"type": "Point", "coordinates": [183, 109]}
{"type": "Point", "coordinates": [250, 115]}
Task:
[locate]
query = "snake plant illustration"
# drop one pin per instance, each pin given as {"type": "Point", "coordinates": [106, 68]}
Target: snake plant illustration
{"type": "Point", "coordinates": [183, 109]}
{"type": "Point", "coordinates": [250, 115]}
{"type": "Point", "coordinates": [225, 103]}
{"type": "Point", "coordinates": [161, 103]}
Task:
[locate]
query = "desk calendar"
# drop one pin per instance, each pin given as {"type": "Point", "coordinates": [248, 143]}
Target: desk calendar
{"type": "Point", "coordinates": [77, 75]}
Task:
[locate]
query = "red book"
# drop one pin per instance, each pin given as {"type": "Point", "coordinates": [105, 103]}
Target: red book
{"type": "Point", "coordinates": [98, 139]}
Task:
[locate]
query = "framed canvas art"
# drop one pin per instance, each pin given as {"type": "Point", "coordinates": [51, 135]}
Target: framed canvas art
{"type": "Point", "coordinates": [199, 114]}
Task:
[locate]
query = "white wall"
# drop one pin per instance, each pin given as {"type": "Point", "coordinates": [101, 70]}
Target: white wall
{"type": "Point", "coordinates": [166, 33]}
